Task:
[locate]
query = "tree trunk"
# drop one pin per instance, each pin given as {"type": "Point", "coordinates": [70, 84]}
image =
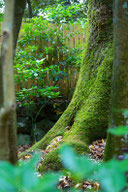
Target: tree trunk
{"type": "Point", "coordinates": [120, 77]}
{"type": "Point", "coordinates": [8, 147]}
{"type": "Point", "coordinates": [30, 8]}
{"type": "Point", "coordinates": [8, 139]}
{"type": "Point", "coordinates": [86, 118]}
{"type": "Point", "coordinates": [19, 8]}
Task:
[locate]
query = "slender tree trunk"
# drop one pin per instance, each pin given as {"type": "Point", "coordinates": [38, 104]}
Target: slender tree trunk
{"type": "Point", "coordinates": [19, 8]}
{"type": "Point", "coordinates": [86, 118]}
{"type": "Point", "coordinates": [119, 100]}
{"type": "Point", "coordinates": [7, 106]}
{"type": "Point", "coordinates": [8, 139]}
{"type": "Point", "coordinates": [30, 8]}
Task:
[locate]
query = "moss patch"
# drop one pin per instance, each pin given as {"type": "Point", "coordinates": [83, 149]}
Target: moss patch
{"type": "Point", "coordinates": [52, 160]}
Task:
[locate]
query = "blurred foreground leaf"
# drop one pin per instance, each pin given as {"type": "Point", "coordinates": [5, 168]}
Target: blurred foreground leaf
{"type": "Point", "coordinates": [80, 166]}
{"type": "Point", "coordinates": [119, 131]}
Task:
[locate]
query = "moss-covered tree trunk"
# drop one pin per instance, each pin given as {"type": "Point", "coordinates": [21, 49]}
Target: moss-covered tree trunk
{"type": "Point", "coordinates": [120, 77]}
{"type": "Point", "coordinates": [86, 118]}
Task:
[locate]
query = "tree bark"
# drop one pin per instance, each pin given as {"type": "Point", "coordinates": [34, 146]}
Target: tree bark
{"type": "Point", "coordinates": [86, 118]}
{"type": "Point", "coordinates": [19, 8]}
{"type": "Point", "coordinates": [8, 148]}
{"type": "Point", "coordinates": [119, 101]}
{"type": "Point", "coordinates": [30, 8]}
{"type": "Point", "coordinates": [8, 139]}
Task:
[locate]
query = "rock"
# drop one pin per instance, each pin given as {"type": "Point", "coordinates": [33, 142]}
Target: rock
{"type": "Point", "coordinates": [24, 139]}
{"type": "Point", "coordinates": [29, 110]}
{"type": "Point", "coordinates": [40, 129]}
{"type": "Point", "coordinates": [23, 125]}
{"type": "Point", "coordinates": [44, 125]}
{"type": "Point", "coordinates": [22, 111]}
{"type": "Point", "coordinates": [37, 134]}
{"type": "Point", "coordinates": [53, 117]}
{"type": "Point", "coordinates": [42, 114]}
{"type": "Point", "coordinates": [49, 115]}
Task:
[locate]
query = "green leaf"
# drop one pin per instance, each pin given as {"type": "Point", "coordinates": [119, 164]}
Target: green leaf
{"type": "Point", "coordinates": [126, 113]}
{"type": "Point", "coordinates": [111, 177]}
{"type": "Point", "coordinates": [7, 175]}
{"type": "Point", "coordinates": [81, 167]}
{"type": "Point", "coordinates": [29, 179]}
{"type": "Point", "coordinates": [119, 131]}
{"type": "Point", "coordinates": [49, 182]}
{"type": "Point", "coordinates": [125, 5]}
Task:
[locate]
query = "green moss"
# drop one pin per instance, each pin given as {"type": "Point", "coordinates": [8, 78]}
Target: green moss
{"type": "Point", "coordinates": [91, 120]}
{"type": "Point", "coordinates": [52, 160]}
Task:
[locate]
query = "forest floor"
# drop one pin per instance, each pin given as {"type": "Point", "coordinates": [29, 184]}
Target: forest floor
{"type": "Point", "coordinates": [96, 154]}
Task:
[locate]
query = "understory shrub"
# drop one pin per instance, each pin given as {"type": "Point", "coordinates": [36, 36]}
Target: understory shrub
{"type": "Point", "coordinates": [30, 75]}
{"type": "Point", "coordinates": [44, 56]}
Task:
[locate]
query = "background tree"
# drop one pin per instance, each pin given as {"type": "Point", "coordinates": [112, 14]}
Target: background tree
{"type": "Point", "coordinates": [19, 8]}
{"type": "Point", "coordinates": [119, 101]}
{"type": "Point", "coordinates": [7, 96]}
{"type": "Point", "coordinates": [86, 118]}
{"type": "Point", "coordinates": [30, 8]}
{"type": "Point", "coordinates": [8, 144]}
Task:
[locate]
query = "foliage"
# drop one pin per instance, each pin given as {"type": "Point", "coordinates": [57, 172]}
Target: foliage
{"type": "Point", "coordinates": [40, 41]}
{"type": "Point", "coordinates": [63, 14]}
{"type": "Point", "coordinates": [1, 10]}
{"type": "Point", "coordinates": [30, 71]}
{"type": "Point", "coordinates": [111, 175]}
{"type": "Point", "coordinates": [64, 9]}
{"type": "Point", "coordinates": [49, 38]}
{"type": "Point", "coordinates": [24, 178]}
{"type": "Point", "coordinates": [43, 51]}
{"type": "Point", "coordinates": [119, 131]}
{"type": "Point", "coordinates": [42, 59]}
{"type": "Point", "coordinates": [30, 75]}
